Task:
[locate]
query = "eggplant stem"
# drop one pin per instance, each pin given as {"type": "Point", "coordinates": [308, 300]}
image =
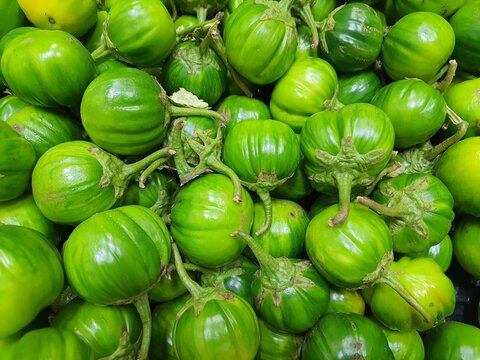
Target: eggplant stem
{"type": "Point", "coordinates": [193, 288]}
{"type": "Point", "coordinates": [267, 204]}
{"type": "Point", "coordinates": [390, 211]}
{"type": "Point", "coordinates": [403, 292]}
{"type": "Point", "coordinates": [144, 163]}
{"type": "Point", "coordinates": [305, 12]}
{"type": "Point", "coordinates": [186, 111]}
{"type": "Point", "coordinates": [344, 185]}
{"type": "Point", "coordinates": [143, 307]}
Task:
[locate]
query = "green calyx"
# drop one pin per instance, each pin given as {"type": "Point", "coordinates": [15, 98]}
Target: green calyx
{"type": "Point", "coordinates": [304, 10]}
{"type": "Point", "coordinates": [424, 158]}
{"type": "Point", "coordinates": [407, 207]}
{"type": "Point", "coordinates": [125, 350]}
{"type": "Point", "coordinates": [118, 174]}
{"type": "Point", "coordinates": [345, 170]}
{"type": "Point", "coordinates": [276, 274]}
{"type": "Point", "coordinates": [196, 55]}
{"type": "Point", "coordinates": [209, 152]}
{"type": "Point", "coordinates": [278, 11]}
{"type": "Point", "coordinates": [326, 25]}
{"type": "Point", "coordinates": [375, 276]}
{"type": "Point", "coordinates": [199, 295]}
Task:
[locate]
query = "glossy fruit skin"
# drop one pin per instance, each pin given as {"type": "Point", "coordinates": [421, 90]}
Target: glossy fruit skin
{"type": "Point", "coordinates": [302, 91]}
{"type": "Point", "coordinates": [7, 38]}
{"type": "Point", "coordinates": [417, 46]}
{"type": "Point", "coordinates": [286, 235]}
{"type": "Point", "coordinates": [203, 218]}
{"type": "Point", "coordinates": [236, 276]}
{"type": "Point", "coordinates": [163, 321]}
{"type": "Point", "coordinates": [427, 213]}
{"type": "Point", "coordinates": [321, 8]}
{"type": "Point", "coordinates": [122, 114]}
{"type": "Point", "coordinates": [369, 128]}
{"type": "Point", "coordinates": [224, 328]}
{"type": "Point", "coordinates": [453, 340]}
{"type": "Point", "coordinates": [203, 74]}
{"type": "Point", "coordinates": [441, 253]}
{"type": "Point", "coordinates": [74, 17]}
{"type": "Point", "coordinates": [424, 279]}
{"type": "Point", "coordinates": [17, 160]}
{"type": "Point", "coordinates": [100, 327]}
{"type": "Point", "coordinates": [358, 245]}
{"type": "Point", "coordinates": [466, 245]}
{"type": "Point", "coordinates": [23, 211]}
{"type": "Point", "coordinates": [31, 276]}
{"type": "Point", "coordinates": [444, 8]}
{"type": "Point", "coordinates": [258, 149]}
{"type": "Point", "coordinates": [296, 188]}
{"type": "Point", "coordinates": [464, 99]}
{"type": "Point", "coordinates": [275, 345]}
{"type": "Point", "coordinates": [116, 255]}
{"type": "Point", "coordinates": [45, 128]}
{"type": "Point", "coordinates": [267, 26]}
{"type": "Point", "coordinates": [358, 87]}
{"type": "Point", "coordinates": [65, 183]}
{"type": "Point", "coordinates": [304, 44]}
{"type": "Point", "coordinates": [345, 336]}
{"type": "Point", "coordinates": [51, 343]}
{"type": "Point", "coordinates": [462, 177]}
{"type": "Point", "coordinates": [13, 16]}
{"type": "Point", "coordinates": [142, 31]}
{"type": "Point", "coordinates": [237, 108]}
{"type": "Point", "coordinates": [94, 37]}
{"type": "Point", "coordinates": [44, 77]}
{"type": "Point", "coordinates": [405, 344]}
{"type": "Point", "coordinates": [9, 105]}
{"type": "Point", "coordinates": [158, 194]}
{"type": "Point", "coordinates": [467, 36]}
{"type": "Point", "coordinates": [345, 301]}
{"type": "Point", "coordinates": [169, 288]}
{"type": "Point", "coordinates": [351, 37]}
{"type": "Point", "coordinates": [423, 114]}
{"type": "Point", "coordinates": [299, 307]}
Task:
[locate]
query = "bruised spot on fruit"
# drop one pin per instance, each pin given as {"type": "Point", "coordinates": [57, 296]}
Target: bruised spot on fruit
{"type": "Point", "coordinates": [431, 304]}
{"type": "Point", "coordinates": [228, 296]}
{"type": "Point", "coordinates": [354, 327]}
{"type": "Point", "coordinates": [358, 357]}
{"type": "Point", "coordinates": [51, 20]}
{"type": "Point", "coordinates": [293, 215]}
{"type": "Point", "coordinates": [477, 92]}
{"type": "Point", "coordinates": [357, 345]}
{"type": "Point", "coordinates": [19, 128]}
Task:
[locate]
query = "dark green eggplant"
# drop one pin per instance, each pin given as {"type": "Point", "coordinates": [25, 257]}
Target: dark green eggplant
{"type": "Point", "coordinates": [358, 87]}
{"type": "Point", "coordinates": [276, 345]}
{"type": "Point", "coordinates": [441, 253]}
{"type": "Point", "coordinates": [289, 294]}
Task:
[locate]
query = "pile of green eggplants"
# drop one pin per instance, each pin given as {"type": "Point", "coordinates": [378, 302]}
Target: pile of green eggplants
{"type": "Point", "coordinates": [239, 179]}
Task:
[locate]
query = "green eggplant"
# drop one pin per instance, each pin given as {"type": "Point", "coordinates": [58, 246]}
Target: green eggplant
{"type": "Point", "coordinates": [453, 340]}
{"type": "Point", "coordinates": [345, 301]}
{"type": "Point", "coordinates": [17, 161]}
{"type": "Point", "coordinates": [346, 150]}
{"type": "Point", "coordinates": [276, 345]}
{"type": "Point", "coordinates": [466, 248]}
{"type": "Point", "coordinates": [359, 87]}
{"type": "Point", "coordinates": [51, 343]}
{"type": "Point", "coordinates": [289, 294]}
{"type": "Point", "coordinates": [126, 111]}
{"type": "Point", "coordinates": [441, 253]}
{"type": "Point", "coordinates": [444, 8]}
{"type": "Point", "coordinates": [114, 257]}
{"type": "Point", "coordinates": [107, 330]}
{"type": "Point", "coordinates": [13, 16]}
{"type": "Point", "coordinates": [236, 276]}
{"type": "Point", "coordinates": [404, 344]}
{"type": "Point", "coordinates": [351, 37]}
{"type": "Point", "coordinates": [94, 37]}
{"type": "Point", "coordinates": [236, 108]}
{"type": "Point", "coordinates": [264, 154]}
{"type": "Point", "coordinates": [424, 279]}
{"type": "Point", "coordinates": [45, 128]}
{"type": "Point", "coordinates": [213, 323]}
{"type": "Point", "coordinates": [305, 89]}
{"type": "Point", "coordinates": [32, 276]}
{"type": "Point", "coordinates": [266, 25]}
{"type": "Point", "coordinates": [407, 52]}
{"type": "Point", "coordinates": [9, 105]}
{"type": "Point", "coordinates": [201, 8]}
{"type": "Point", "coordinates": [76, 179]}
{"type": "Point", "coordinates": [23, 211]}
{"type": "Point", "coordinates": [345, 336]}
{"type": "Point", "coordinates": [417, 207]}
{"type": "Point", "coordinates": [203, 217]}
{"type": "Point", "coordinates": [286, 235]}
{"type": "Point", "coordinates": [194, 66]}
{"type": "Point", "coordinates": [163, 320]}
{"type": "Point", "coordinates": [138, 32]}
{"type": "Point", "coordinates": [45, 77]}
